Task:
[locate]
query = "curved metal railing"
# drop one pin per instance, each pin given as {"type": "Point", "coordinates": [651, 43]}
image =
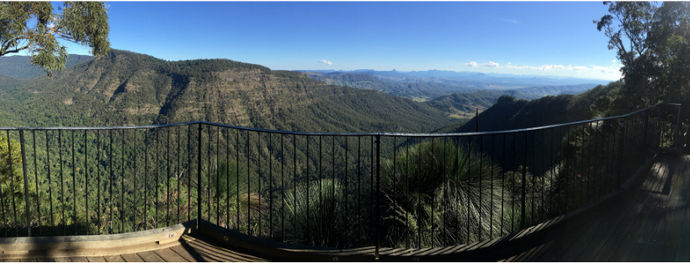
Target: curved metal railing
{"type": "Point", "coordinates": [322, 189]}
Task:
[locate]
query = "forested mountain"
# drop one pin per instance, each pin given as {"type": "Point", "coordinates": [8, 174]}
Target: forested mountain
{"type": "Point", "coordinates": [510, 113]}
{"type": "Point", "coordinates": [125, 88]}
{"type": "Point", "coordinates": [20, 67]}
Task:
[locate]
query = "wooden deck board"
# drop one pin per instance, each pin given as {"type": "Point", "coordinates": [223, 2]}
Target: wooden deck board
{"type": "Point", "coordinates": [667, 234]}
{"type": "Point", "coordinates": [79, 259]}
{"type": "Point", "coordinates": [169, 255]}
{"type": "Point", "coordinates": [96, 259]}
{"type": "Point", "coordinates": [62, 259]}
{"type": "Point", "coordinates": [186, 254]}
{"type": "Point", "coordinates": [645, 239]}
{"type": "Point", "coordinates": [132, 257]}
{"type": "Point", "coordinates": [45, 259]}
{"type": "Point", "coordinates": [115, 258]}
{"type": "Point", "coordinates": [150, 256]}
{"type": "Point", "coordinates": [616, 225]}
{"type": "Point", "coordinates": [619, 233]}
{"type": "Point", "coordinates": [625, 246]}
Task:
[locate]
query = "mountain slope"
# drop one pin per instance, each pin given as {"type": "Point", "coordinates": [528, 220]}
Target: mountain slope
{"type": "Point", "coordinates": [125, 88]}
{"type": "Point", "coordinates": [510, 113]}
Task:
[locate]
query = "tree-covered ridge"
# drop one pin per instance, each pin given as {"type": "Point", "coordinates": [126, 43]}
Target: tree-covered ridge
{"type": "Point", "coordinates": [510, 113]}
{"type": "Point", "coordinates": [126, 88]}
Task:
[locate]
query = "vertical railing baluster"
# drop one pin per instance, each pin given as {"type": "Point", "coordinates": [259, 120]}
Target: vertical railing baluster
{"type": "Point", "coordinates": [479, 215]}
{"type": "Point", "coordinates": [167, 182]}
{"type": "Point", "coordinates": [123, 208]}
{"type": "Point", "coordinates": [98, 177]}
{"type": "Point", "coordinates": [258, 169]}
{"type": "Point", "coordinates": [86, 179]}
{"type": "Point", "coordinates": [198, 179]}
{"type": "Point", "coordinates": [282, 187]}
{"type": "Point", "coordinates": [189, 172]}
{"type": "Point", "coordinates": [62, 185]}
{"type": "Point", "coordinates": [523, 222]}
{"type": "Point", "coordinates": [249, 187]}
{"type": "Point", "coordinates": [110, 182]}
{"type": "Point", "coordinates": [347, 181]}
{"type": "Point", "coordinates": [378, 196]}
{"type": "Point", "coordinates": [218, 175]}
{"type": "Point", "coordinates": [50, 189]}
{"type": "Point", "coordinates": [38, 194]}
{"type": "Point", "coordinates": [227, 177]}
{"type": "Point", "coordinates": [135, 208]}
{"type": "Point", "coordinates": [74, 187]}
{"type": "Point", "coordinates": [27, 204]}
{"type": "Point", "coordinates": [178, 177]}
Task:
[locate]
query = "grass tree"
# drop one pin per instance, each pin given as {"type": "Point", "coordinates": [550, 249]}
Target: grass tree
{"type": "Point", "coordinates": [441, 194]}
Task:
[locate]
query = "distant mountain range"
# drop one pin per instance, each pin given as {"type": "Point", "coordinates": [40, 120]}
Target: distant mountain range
{"type": "Point", "coordinates": [466, 79]}
{"type": "Point", "coordinates": [429, 88]}
{"type": "Point", "coordinates": [20, 67]}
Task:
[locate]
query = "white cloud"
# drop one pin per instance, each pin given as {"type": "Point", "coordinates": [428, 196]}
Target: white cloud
{"type": "Point", "coordinates": [609, 70]}
{"type": "Point", "coordinates": [491, 64]}
{"type": "Point", "coordinates": [326, 62]}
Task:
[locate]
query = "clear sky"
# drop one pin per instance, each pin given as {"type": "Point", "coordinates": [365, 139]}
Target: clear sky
{"type": "Point", "coordinates": [530, 38]}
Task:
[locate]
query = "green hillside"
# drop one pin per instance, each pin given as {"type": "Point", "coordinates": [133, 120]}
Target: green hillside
{"type": "Point", "coordinates": [125, 88]}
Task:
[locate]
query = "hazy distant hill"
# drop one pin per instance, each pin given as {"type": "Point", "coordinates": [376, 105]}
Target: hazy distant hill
{"type": "Point", "coordinates": [19, 66]}
{"type": "Point", "coordinates": [125, 88]}
{"type": "Point", "coordinates": [412, 90]}
{"type": "Point", "coordinates": [473, 80]}
{"type": "Point", "coordinates": [464, 105]}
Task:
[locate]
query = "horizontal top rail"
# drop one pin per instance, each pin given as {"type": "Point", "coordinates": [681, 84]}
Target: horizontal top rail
{"type": "Point", "coordinates": [340, 134]}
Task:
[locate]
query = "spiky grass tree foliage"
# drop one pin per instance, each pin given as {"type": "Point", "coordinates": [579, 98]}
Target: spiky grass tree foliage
{"type": "Point", "coordinates": [318, 213]}
{"type": "Point", "coordinates": [536, 191]}
{"type": "Point", "coordinates": [441, 194]}
{"type": "Point", "coordinates": [233, 203]}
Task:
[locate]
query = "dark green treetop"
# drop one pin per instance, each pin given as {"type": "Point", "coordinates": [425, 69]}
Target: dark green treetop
{"type": "Point", "coordinates": [33, 26]}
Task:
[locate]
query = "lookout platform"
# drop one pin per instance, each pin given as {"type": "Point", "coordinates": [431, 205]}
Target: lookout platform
{"type": "Point", "coordinates": [648, 220]}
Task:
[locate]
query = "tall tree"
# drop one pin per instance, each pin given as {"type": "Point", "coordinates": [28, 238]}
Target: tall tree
{"type": "Point", "coordinates": [628, 25]}
{"type": "Point", "coordinates": [33, 26]}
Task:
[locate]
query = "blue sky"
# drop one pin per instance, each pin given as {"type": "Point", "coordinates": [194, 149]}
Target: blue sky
{"type": "Point", "coordinates": [530, 38]}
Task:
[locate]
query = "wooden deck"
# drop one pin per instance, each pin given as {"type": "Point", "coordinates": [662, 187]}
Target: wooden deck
{"type": "Point", "coordinates": [648, 222]}
{"type": "Point", "coordinates": [191, 249]}
{"type": "Point", "coordinates": [651, 222]}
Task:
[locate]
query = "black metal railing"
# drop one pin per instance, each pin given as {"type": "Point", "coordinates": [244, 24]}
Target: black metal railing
{"type": "Point", "coordinates": [323, 189]}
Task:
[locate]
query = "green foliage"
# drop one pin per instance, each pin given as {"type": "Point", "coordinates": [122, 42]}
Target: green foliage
{"type": "Point", "coordinates": [318, 213]}
{"type": "Point", "coordinates": [651, 42]}
{"type": "Point", "coordinates": [85, 23]}
{"type": "Point", "coordinates": [11, 175]}
{"type": "Point", "coordinates": [435, 193]}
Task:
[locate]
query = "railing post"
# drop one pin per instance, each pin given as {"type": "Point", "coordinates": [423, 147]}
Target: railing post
{"type": "Point", "coordinates": [621, 141]}
{"type": "Point", "coordinates": [378, 196]}
{"type": "Point", "coordinates": [523, 220]}
{"type": "Point", "coordinates": [26, 183]}
{"type": "Point", "coordinates": [645, 143]}
{"type": "Point", "coordinates": [678, 129]}
{"type": "Point", "coordinates": [198, 180]}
